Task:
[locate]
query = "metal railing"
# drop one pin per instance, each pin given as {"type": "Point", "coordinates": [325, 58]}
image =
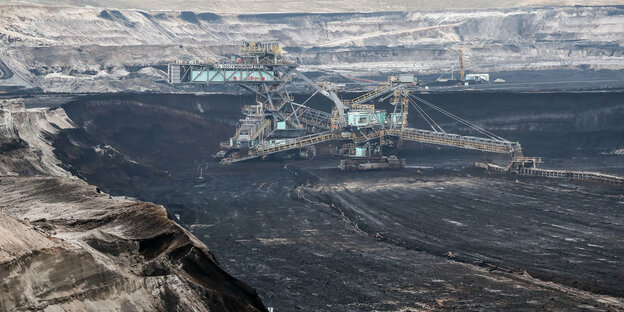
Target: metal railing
{"type": "Point", "coordinates": [573, 175]}
{"type": "Point", "coordinates": [261, 130]}
{"type": "Point", "coordinates": [455, 140]}
{"type": "Point", "coordinates": [369, 95]}
{"type": "Point", "coordinates": [409, 134]}
{"type": "Point", "coordinates": [295, 143]}
{"type": "Point", "coordinates": [290, 144]}
{"type": "Point", "coordinates": [315, 117]}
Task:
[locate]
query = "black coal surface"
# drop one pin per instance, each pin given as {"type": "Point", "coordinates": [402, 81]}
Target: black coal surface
{"type": "Point", "coordinates": [437, 235]}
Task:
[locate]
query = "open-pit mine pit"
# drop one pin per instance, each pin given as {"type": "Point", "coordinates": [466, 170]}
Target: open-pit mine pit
{"type": "Point", "coordinates": [204, 157]}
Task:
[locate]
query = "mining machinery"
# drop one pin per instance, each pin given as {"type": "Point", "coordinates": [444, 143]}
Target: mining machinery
{"type": "Point", "coordinates": [461, 64]}
{"type": "Point", "coordinates": [362, 133]}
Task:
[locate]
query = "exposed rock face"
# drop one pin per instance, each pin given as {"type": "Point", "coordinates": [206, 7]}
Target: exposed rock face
{"type": "Point", "coordinates": [272, 6]}
{"type": "Point", "coordinates": [66, 246]}
{"type": "Point", "coordinates": [77, 249]}
{"type": "Point", "coordinates": [25, 148]}
{"type": "Point", "coordinates": [97, 50]}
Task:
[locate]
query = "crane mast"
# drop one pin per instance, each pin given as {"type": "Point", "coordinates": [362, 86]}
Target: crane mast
{"type": "Point", "coordinates": [461, 63]}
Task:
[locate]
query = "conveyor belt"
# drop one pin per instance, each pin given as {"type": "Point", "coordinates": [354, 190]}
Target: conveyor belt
{"type": "Point", "coordinates": [287, 145]}
{"type": "Point", "coordinates": [456, 140]}
{"type": "Point", "coordinates": [408, 134]}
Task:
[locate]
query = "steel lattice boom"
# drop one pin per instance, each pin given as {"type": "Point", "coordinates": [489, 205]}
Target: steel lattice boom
{"type": "Point", "coordinates": [277, 124]}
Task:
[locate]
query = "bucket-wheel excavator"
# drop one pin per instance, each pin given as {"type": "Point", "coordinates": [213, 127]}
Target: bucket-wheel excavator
{"type": "Point", "coordinates": [361, 132]}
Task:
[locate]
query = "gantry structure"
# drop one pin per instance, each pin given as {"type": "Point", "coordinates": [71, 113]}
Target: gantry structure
{"type": "Point", "coordinates": [276, 123]}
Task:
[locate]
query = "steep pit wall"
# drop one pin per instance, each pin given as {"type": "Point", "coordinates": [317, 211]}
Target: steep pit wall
{"type": "Point", "coordinates": [98, 50]}
{"type": "Point", "coordinates": [65, 245]}
{"type": "Point", "coordinates": [25, 139]}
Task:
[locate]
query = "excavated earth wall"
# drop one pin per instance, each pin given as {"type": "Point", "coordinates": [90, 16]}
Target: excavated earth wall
{"type": "Point", "coordinates": [74, 49]}
{"type": "Point", "coordinates": [67, 246]}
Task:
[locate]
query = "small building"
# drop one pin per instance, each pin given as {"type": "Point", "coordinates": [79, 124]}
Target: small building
{"type": "Point", "coordinates": [363, 118]}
